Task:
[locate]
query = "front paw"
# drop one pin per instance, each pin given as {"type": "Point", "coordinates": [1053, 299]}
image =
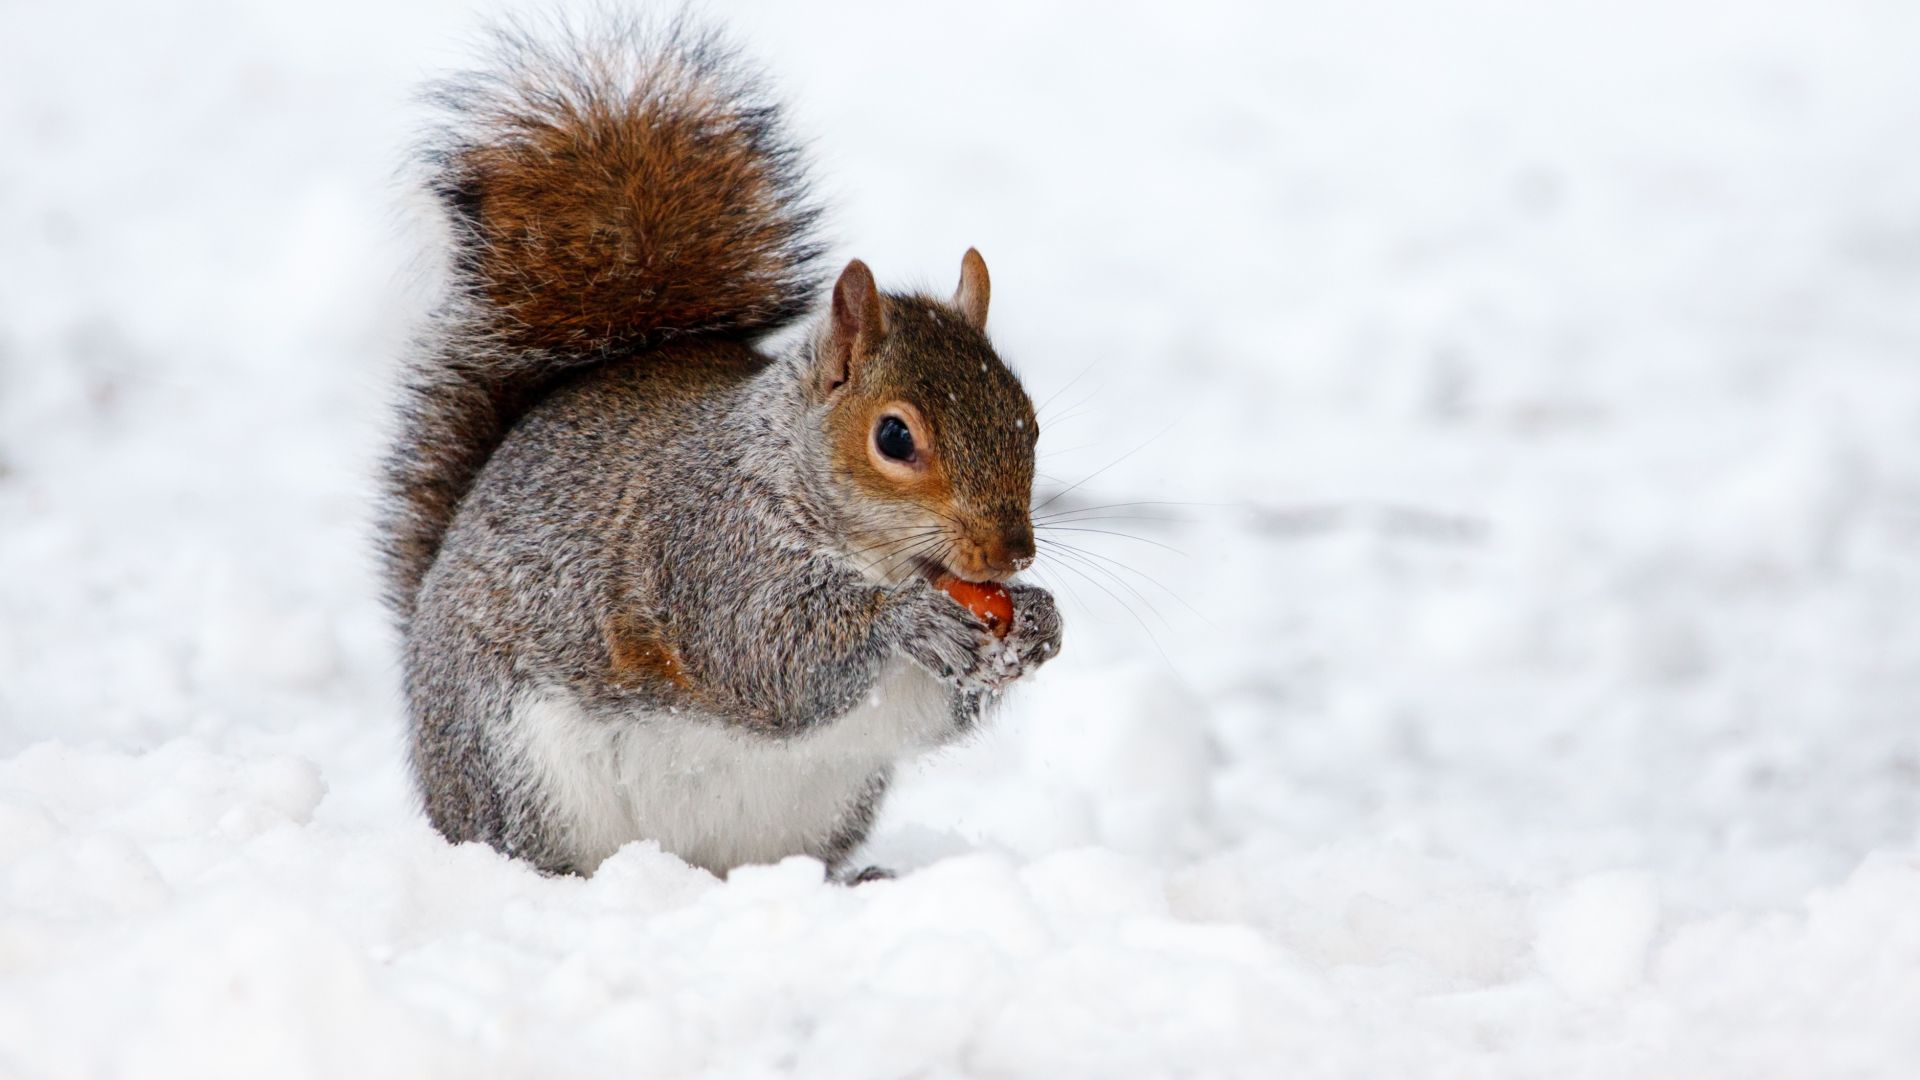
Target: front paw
{"type": "Point", "coordinates": [859, 875]}
{"type": "Point", "coordinates": [941, 636]}
{"type": "Point", "coordinates": [1035, 637]}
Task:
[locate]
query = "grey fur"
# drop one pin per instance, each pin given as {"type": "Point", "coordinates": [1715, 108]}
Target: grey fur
{"type": "Point", "coordinates": [656, 536]}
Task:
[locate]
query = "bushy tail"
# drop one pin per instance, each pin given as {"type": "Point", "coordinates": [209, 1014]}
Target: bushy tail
{"type": "Point", "coordinates": [606, 191]}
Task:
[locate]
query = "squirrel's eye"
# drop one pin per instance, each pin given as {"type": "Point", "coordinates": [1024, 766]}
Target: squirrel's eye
{"type": "Point", "coordinates": [893, 438]}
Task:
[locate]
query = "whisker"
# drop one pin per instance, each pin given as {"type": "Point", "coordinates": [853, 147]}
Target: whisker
{"type": "Point", "coordinates": [946, 551]}
{"type": "Point", "coordinates": [900, 556]}
{"type": "Point", "coordinates": [1041, 575]}
{"type": "Point", "coordinates": [1126, 506]}
{"type": "Point", "coordinates": [1055, 396]}
{"type": "Point", "coordinates": [1114, 532]}
{"type": "Point", "coordinates": [1082, 558]}
{"type": "Point", "coordinates": [1137, 572]}
{"type": "Point", "coordinates": [1055, 522]}
{"type": "Point", "coordinates": [895, 554]}
{"type": "Point", "coordinates": [913, 534]}
{"type": "Point", "coordinates": [1148, 630]}
{"type": "Point", "coordinates": [1074, 412]}
{"type": "Point", "coordinates": [1109, 465]}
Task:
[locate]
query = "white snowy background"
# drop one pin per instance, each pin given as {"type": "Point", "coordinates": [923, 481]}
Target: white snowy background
{"type": "Point", "coordinates": [1533, 392]}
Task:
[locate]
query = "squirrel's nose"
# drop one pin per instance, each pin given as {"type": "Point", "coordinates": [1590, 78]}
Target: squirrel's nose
{"type": "Point", "coordinates": [1014, 552]}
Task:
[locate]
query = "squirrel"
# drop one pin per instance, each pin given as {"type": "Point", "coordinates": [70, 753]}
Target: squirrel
{"type": "Point", "coordinates": [654, 583]}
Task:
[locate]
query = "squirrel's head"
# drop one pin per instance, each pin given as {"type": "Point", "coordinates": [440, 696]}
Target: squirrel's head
{"type": "Point", "coordinates": [929, 436]}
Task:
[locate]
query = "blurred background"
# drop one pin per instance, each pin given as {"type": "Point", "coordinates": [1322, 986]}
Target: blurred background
{"type": "Point", "coordinates": [1494, 431]}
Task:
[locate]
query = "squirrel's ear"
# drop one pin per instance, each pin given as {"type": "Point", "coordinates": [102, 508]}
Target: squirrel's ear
{"type": "Point", "coordinates": [855, 326]}
{"type": "Point", "coordinates": [971, 297]}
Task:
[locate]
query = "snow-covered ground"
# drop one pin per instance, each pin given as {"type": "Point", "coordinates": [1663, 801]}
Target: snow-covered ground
{"type": "Point", "coordinates": [1535, 689]}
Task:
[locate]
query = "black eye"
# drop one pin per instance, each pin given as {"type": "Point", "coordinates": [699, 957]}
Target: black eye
{"type": "Point", "coordinates": [893, 438]}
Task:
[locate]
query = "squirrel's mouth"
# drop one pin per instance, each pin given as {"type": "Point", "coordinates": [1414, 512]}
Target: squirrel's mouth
{"type": "Point", "coordinates": [933, 570]}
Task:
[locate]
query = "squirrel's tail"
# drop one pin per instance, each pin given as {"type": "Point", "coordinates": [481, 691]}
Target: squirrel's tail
{"type": "Point", "coordinates": [606, 191]}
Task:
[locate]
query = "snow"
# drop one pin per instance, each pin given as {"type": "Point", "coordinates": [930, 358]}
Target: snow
{"type": "Point", "coordinates": [1593, 935]}
{"type": "Point", "coordinates": [1530, 394]}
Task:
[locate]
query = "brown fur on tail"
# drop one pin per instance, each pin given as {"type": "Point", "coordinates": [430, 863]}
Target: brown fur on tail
{"type": "Point", "coordinates": [607, 191]}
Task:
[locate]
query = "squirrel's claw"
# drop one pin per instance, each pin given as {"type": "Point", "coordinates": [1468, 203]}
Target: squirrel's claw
{"type": "Point", "coordinates": [1035, 637]}
{"type": "Point", "coordinates": [1033, 640]}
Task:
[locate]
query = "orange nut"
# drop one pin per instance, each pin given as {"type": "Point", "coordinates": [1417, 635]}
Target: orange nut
{"type": "Point", "coordinates": [987, 600]}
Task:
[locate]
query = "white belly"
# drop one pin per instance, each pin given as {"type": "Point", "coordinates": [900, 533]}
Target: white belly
{"type": "Point", "coordinates": [712, 794]}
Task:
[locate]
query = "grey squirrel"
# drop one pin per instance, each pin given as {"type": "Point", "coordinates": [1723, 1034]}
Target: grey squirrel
{"type": "Point", "coordinates": [654, 583]}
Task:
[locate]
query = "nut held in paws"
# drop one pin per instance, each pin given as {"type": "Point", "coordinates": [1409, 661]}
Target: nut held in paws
{"type": "Point", "coordinates": [985, 599]}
